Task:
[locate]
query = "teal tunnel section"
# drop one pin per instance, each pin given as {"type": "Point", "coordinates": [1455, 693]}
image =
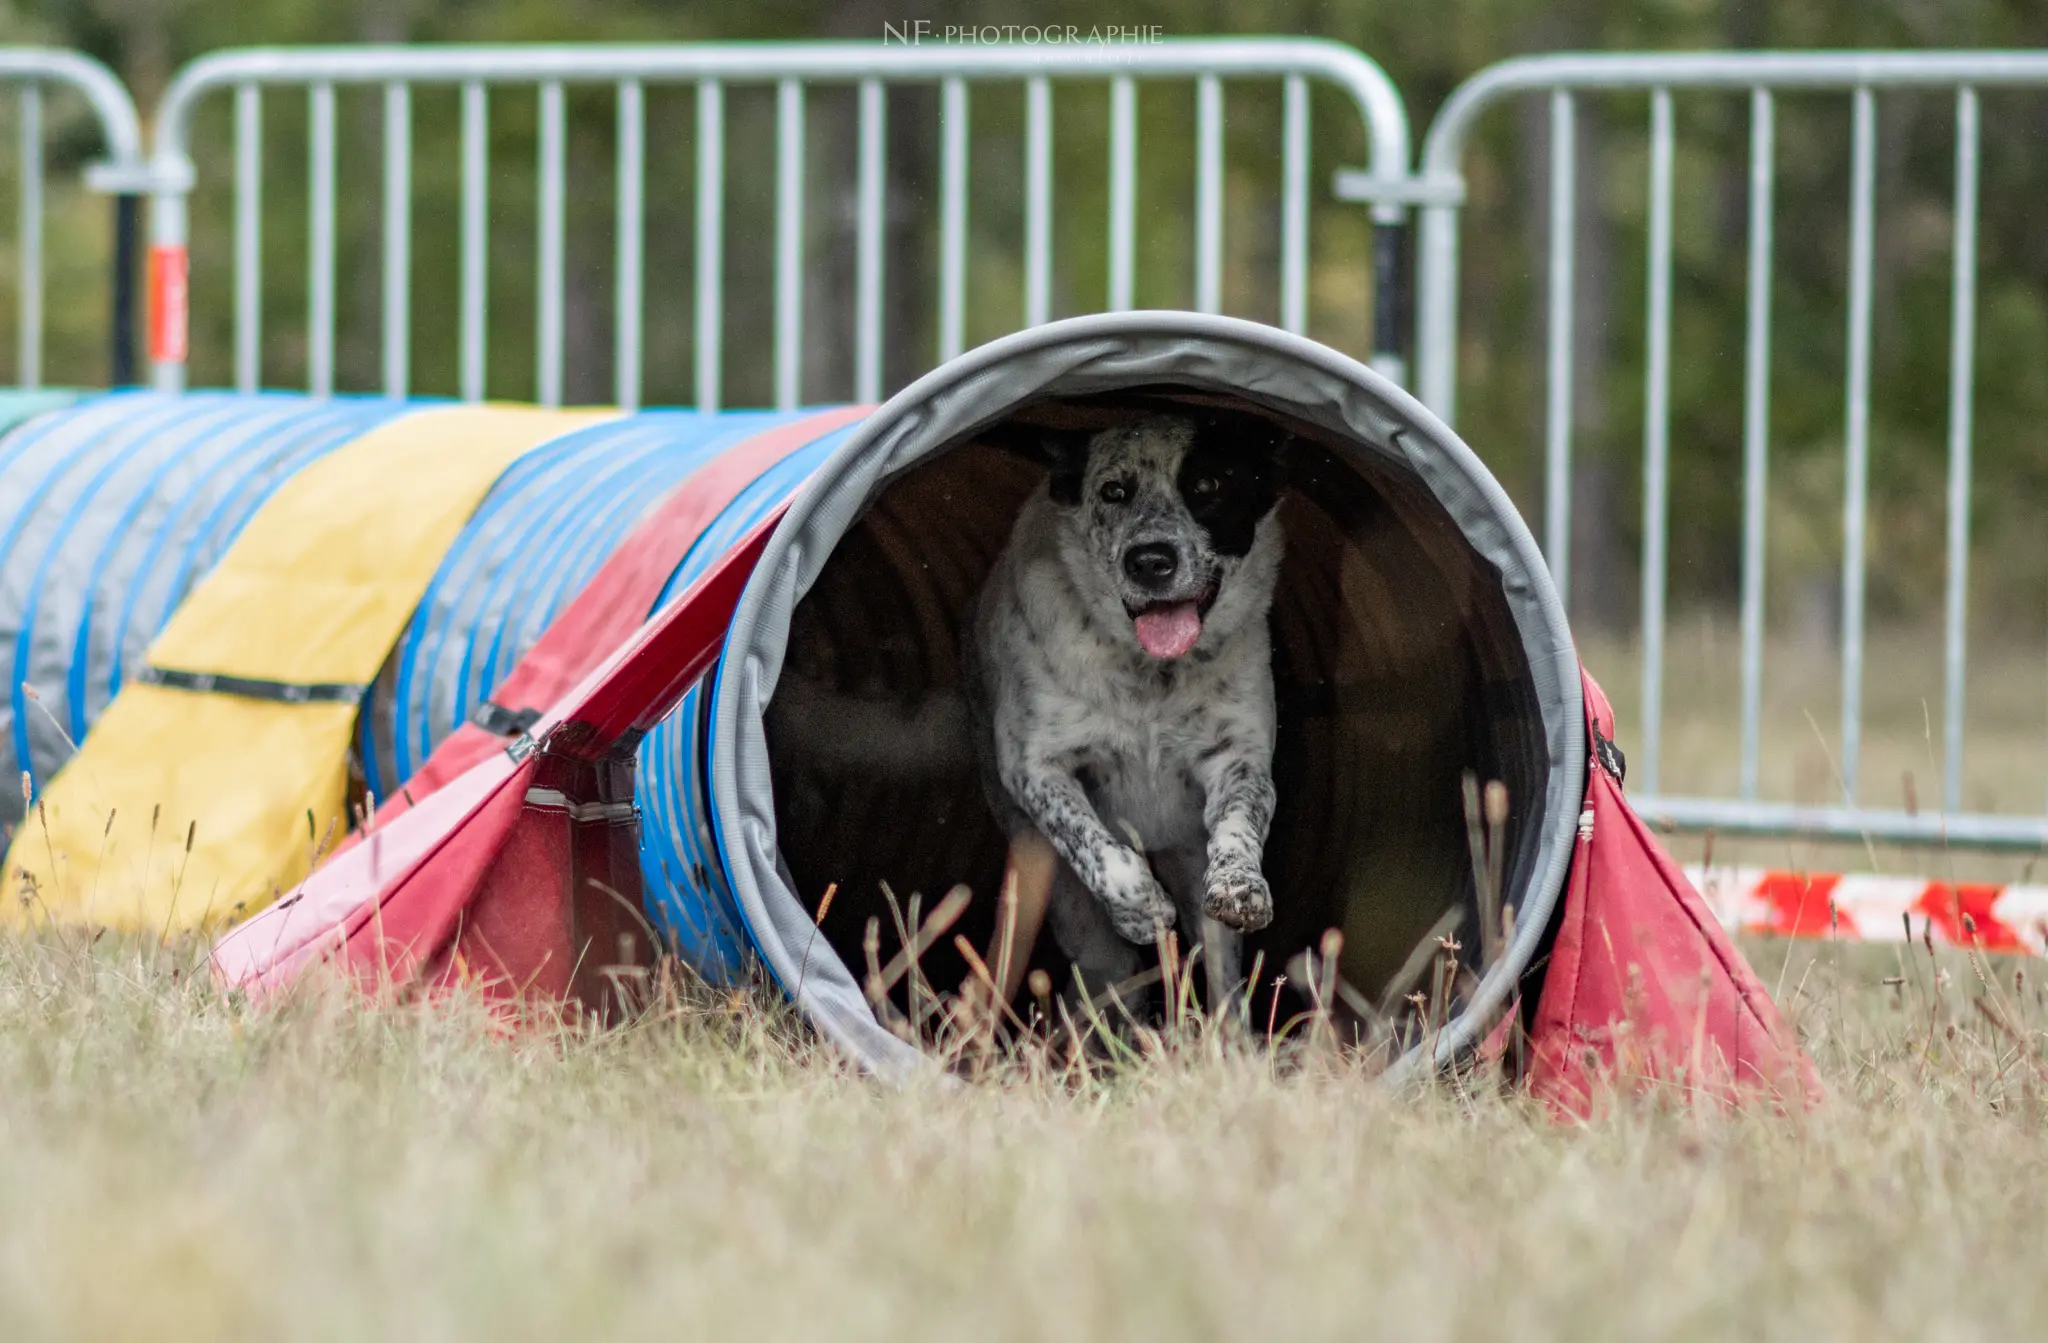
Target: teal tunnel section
{"type": "Point", "coordinates": [112, 506]}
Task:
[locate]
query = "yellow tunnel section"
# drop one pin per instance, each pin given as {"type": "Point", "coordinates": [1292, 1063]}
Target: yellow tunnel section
{"type": "Point", "coordinates": [219, 773]}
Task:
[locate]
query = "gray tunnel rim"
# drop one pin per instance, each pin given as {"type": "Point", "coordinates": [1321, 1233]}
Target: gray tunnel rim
{"type": "Point", "coordinates": [1072, 357]}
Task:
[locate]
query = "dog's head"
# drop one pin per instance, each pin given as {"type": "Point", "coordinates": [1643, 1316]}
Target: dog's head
{"type": "Point", "coordinates": [1169, 521]}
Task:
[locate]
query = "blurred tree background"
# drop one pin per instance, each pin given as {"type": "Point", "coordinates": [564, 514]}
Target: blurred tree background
{"type": "Point", "coordinates": [1427, 50]}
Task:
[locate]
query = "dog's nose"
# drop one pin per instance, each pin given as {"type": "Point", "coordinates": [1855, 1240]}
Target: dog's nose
{"type": "Point", "coordinates": [1151, 564]}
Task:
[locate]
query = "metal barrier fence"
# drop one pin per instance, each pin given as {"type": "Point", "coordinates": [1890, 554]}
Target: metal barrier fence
{"type": "Point", "coordinates": [790, 68]}
{"type": "Point", "coordinates": [30, 70]}
{"type": "Point", "coordinates": [1439, 189]}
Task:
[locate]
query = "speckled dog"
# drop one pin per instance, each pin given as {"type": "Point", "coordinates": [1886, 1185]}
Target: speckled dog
{"type": "Point", "coordinates": [1120, 681]}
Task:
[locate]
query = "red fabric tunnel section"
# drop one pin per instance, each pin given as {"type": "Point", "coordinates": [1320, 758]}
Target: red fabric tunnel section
{"type": "Point", "coordinates": [1644, 988]}
{"type": "Point", "coordinates": [523, 865]}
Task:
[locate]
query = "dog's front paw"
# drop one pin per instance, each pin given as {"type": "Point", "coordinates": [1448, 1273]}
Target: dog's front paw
{"type": "Point", "coordinates": [1138, 907]}
{"type": "Point", "coordinates": [1235, 894]}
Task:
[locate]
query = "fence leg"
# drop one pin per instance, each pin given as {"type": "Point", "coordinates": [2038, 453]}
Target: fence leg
{"type": "Point", "coordinates": [121, 329]}
{"type": "Point", "coordinates": [1389, 299]}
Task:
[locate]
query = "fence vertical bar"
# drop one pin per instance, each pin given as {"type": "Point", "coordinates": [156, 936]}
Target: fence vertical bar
{"type": "Point", "coordinates": [1756, 426]}
{"type": "Point", "coordinates": [1038, 201]}
{"type": "Point", "coordinates": [1123, 192]}
{"type": "Point", "coordinates": [789, 243]}
{"type": "Point", "coordinates": [397, 240]}
{"type": "Point", "coordinates": [629, 242]}
{"type": "Point", "coordinates": [1294, 206]}
{"type": "Point", "coordinates": [1436, 318]}
{"type": "Point", "coordinates": [1856, 467]}
{"type": "Point", "coordinates": [248, 237]}
{"type": "Point", "coordinates": [952, 218]}
{"type": "Point", "coordinates": [1557, 432]}
{"type": "Point", "coordinates": [29, 314]}
{"type": "Point", "coordinates": [320, 296]}
{"type": "Point", "coordinates": [547, 335]}
{"type": "Point", "coordinates": [1962, 350]}
{"type": "Point", "coordinates": [1209, 194]}
{"type": "Point", "coordinates": [710, 242]}
{"type": "Point", "coordinates": [867, 341]}
{"type": "Point", "coordinates": [475, 240]}
{"type": "Point", "coordinates": [1656, 437]}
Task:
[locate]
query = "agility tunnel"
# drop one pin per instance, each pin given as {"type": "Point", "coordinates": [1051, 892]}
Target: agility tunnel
{"type": "Point", "coordinates": [743, 632]}
{"type": "Point", "coordinates": [113, 510]}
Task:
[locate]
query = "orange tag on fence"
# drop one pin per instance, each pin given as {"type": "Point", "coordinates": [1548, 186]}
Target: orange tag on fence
{"type": "Point", "coordinates": [169, 310]}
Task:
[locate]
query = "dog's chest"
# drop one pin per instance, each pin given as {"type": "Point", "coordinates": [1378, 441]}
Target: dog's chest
{"type": "Point", "coordinates": [1135, 740]}
{"type": "Point", "coordinates": [1157, 801]}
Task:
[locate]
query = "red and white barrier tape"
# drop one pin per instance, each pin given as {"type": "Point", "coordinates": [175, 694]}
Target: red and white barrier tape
{"type": "Point", "coordinates": [1863, 908]}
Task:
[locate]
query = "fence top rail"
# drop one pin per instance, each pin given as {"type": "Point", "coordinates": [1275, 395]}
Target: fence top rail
{"type": "Point", "coordinates": [109, 98]}
{"type": "Point", "coordinates": [1379, 103]}
{"type": "Point", "coordinates": [1445, 141]}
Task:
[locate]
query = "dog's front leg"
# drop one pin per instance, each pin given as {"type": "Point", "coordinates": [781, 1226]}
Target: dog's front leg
{"type": "Point", "coordinates": [1119, 876]}
{"type": "Point", "coordinates": [1237, 811]}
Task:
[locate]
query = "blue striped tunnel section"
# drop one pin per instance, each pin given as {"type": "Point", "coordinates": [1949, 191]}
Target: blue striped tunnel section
{"type": "Point", "coordinates": [540, 535]}
{"type": "Point", "coordinates": [113, 506]}
{"type": "Point", "coordinates": [113, 509]}
{"type": "Point", "coordinates": [686, 888]}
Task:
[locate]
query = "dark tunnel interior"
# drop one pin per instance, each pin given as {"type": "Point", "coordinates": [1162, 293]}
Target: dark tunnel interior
{"type": "Point", "coordinates": [1397, 669]}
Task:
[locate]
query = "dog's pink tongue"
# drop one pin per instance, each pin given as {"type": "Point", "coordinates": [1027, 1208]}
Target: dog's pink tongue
{"type": "Point", "coordinates": [1167, 631]}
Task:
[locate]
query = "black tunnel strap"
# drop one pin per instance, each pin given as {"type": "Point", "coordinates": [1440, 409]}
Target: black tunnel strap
{"type": "Point", "coordinates": [1609, 755]}
{"type": "Point", "coordinates": [252, 687]}
{"type": "Point", "coordinates": [500, 721]}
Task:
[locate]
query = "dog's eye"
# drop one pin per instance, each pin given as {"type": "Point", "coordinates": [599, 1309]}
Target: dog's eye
{"type": "Point", "coordinates": [1207, 485]}
{"type": "Point", "coordinates": [1115, 492]}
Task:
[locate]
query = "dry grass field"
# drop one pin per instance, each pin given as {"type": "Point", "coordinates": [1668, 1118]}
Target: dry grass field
{"type": "Point", "coordinates": [179, 1166]}
{"type": "Point", "coordinates": [175, 1165]}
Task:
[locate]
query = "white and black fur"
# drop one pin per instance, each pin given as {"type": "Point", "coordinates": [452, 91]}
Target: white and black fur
{"type": "Point", "coordinates": [1151, 777]}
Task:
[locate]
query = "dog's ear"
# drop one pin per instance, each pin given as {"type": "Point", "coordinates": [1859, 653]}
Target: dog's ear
{"type": "Point", "coordinates": [1062, 452]}
{"type": "Point", "coordinates": [1254, 435]}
